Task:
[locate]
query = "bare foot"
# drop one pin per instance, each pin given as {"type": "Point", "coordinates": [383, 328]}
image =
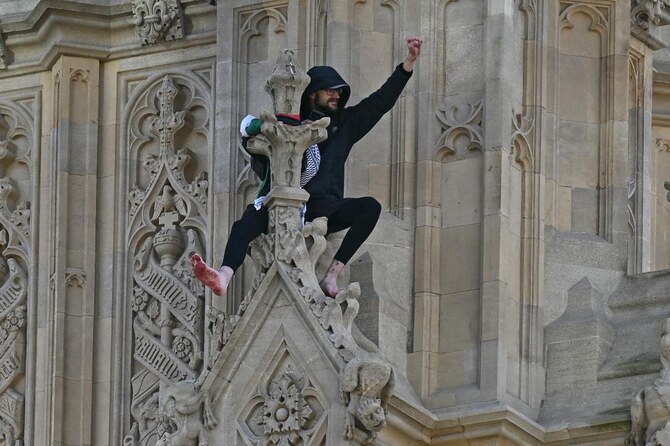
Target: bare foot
{"type": "Point", "coordinates": [217, 281]}
{"type": "Point", "coordinates": [329, 283]}
{"type": "Point", "coordinates": [329, 287]}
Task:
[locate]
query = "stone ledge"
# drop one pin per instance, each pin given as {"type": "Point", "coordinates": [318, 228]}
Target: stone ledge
{"type": "Point", "coordinates": [412, 424]}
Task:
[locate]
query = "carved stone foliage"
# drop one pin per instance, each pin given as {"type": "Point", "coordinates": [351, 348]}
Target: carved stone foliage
{"type": "Point", "coordinates": [650, 408]}
{"type": "Point", "coordinates": [285, 145]}
{"type": "Point", "coordinates": [157, 20]}
{"type": "Point", "coordinates": [167, 222]}
{"type": "Point", "coordinates": [367, 381]}
{"type": "Point", "coordinates": [461, 128]}
{"type": "Point", "coordinates": [16, 142]}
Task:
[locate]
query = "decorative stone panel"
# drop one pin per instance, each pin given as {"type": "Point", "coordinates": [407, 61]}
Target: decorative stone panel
{"type": "Point", "coordinates": [167, 220]}
{"type": "Point", "coordinates": [17, 135]}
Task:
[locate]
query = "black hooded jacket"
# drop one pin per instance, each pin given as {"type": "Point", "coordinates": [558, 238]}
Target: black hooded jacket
{"type": "Point", "coordinates": [347, 126]}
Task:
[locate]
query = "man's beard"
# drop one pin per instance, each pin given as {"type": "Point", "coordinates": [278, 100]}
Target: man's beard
{"type": "Point", "coordinates": [322, 107]}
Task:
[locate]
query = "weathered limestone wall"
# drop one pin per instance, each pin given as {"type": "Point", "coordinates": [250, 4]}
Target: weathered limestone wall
{"type": "Point", "coordinates": [517, 277]}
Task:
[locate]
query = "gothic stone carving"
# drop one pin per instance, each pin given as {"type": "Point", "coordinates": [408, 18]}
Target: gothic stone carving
{"type": "Point", "coordinates": [285, 145]}
{"type": "Point", "coordinates": [15, 165]}
{"type": "Point", "coordinates": [462, 126]}
{"type": "Point", "coordinates": [286, 83]}
{"type": "Point", "coordinates": [12, 347]}
{"type": "Point", "coordinates": [189, 410]}
{"type": "Point", "coordinates": [167, 216]}
{"type": "Point", "coordinates": [367, 385]}
{"type": "Point", "coordinates": [645, 18]}
{"type": "Point", "coordinates": [157, 20]}
{"type": "Point", "coordinates": [650, 408]}
{"type": "Point", "coordinates": [649, 13]}
{"type": "Point", "coordinates": [286, 416]}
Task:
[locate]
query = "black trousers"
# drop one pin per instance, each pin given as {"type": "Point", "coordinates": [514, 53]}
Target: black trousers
{"type": "Point", "coordinates": [360, 215]}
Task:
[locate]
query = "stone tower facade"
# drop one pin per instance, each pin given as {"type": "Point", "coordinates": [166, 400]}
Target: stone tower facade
{"type": "Point", "coordinates": [515, 291]}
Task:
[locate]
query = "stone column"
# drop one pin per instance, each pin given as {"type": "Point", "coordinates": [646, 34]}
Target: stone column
{"type": "Point", "coordinates": [65, 414]}
{"type": "Point", "coordinates": [285, 145]}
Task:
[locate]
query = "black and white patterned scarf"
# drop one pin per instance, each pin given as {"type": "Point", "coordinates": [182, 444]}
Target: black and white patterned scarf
{"type": "Point", "coordinates": [313, 159]}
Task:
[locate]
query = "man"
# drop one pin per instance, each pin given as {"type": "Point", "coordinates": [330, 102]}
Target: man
{"type": "Point", "coordinates": [326, 94]}
{"type": "Point", "coordinates": [254, 220]}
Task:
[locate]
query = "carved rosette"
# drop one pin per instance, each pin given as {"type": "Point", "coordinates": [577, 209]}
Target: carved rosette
{"type": "Point", "coordinates": [286, 411]}
{"type": "Point", "coordinates": [167, 221]}
{"type": "Point", "coordinates": [157, 20]}
{"type": "Point", "coordinates": [285, 414]}
{"type": "Point", "coordinates": [16, 142]}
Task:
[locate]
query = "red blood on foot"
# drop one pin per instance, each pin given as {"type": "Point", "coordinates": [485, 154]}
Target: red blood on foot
{"type": "Point", "coordinates": [210, 277]}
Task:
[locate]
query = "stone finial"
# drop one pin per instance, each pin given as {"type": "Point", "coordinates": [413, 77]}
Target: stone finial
{"type": "Point", "coordinates": [286, 83]}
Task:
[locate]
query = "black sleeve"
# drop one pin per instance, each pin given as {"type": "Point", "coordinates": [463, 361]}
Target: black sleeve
{"type": "Point", "coordinates": [370, 110]}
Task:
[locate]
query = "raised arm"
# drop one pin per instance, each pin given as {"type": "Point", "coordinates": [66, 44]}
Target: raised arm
{"type": "Point", "coordinates": [413, 53]}
{"type": "Point", "coordinates": [370, 110]}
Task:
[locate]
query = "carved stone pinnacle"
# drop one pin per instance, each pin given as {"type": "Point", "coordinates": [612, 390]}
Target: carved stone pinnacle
{"type": "Point", "coordinates": [286, 83]}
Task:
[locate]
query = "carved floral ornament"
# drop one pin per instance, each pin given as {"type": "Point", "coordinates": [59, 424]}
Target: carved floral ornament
{"type": "Point", "coordinates": [286, 416]}
{"type": "Point", "coordinates": [157, 20]}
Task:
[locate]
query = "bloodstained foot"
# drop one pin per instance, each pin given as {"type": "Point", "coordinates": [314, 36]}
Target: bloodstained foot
{"type": "Point", "coordinates": [217, 281]}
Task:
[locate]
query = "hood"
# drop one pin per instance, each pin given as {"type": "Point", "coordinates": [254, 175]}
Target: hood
{"type": "Point", "coordinates": [323, 78]}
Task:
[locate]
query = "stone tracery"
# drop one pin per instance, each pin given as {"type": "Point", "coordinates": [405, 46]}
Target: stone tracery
{"type": "Point", "coordinates": [166, 218]}
{"type": "Point", "coordinates": [16, 140]}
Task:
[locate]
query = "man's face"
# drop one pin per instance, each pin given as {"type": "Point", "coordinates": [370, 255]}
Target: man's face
{"type": "Point", "coordinates": [325, 101]}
